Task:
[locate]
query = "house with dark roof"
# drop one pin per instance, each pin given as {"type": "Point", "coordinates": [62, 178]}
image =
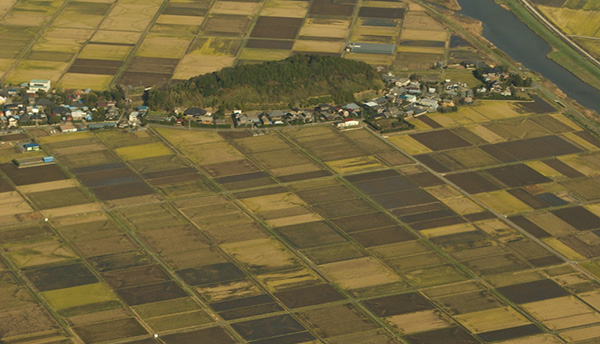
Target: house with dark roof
{"type": "Point", "coordinates": [195, 112]}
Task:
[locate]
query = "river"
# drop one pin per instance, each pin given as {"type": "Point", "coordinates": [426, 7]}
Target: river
{"type": "Point", "coordinates": [508, 33]}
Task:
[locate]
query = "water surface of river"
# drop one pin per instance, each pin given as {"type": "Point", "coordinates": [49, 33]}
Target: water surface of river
{"type": "Point", "coordinates": [507, 32]}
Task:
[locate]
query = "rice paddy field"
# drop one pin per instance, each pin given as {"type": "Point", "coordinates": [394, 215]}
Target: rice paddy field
{"type": "Point", "coordinates": [480, 226]}
{"type": "Point", "coordinates": [96, 44]}
{"type": "Point", "coordinates": [579, 19]}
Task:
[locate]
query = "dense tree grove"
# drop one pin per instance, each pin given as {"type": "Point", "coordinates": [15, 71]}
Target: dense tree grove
{"type": "Point", "coordinates": [270, 85]}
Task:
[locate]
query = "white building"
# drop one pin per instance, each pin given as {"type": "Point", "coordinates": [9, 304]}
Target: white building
{"type": "Point", "coordinates": [348, 122]}
{"type": "Point", "coordinates": [39, 84]}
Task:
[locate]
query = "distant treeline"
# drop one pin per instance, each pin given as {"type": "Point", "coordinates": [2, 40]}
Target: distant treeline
{"type": "Point", "coordinates": [290, 82]}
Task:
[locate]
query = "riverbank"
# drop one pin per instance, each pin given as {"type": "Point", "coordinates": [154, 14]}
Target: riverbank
{"type": "Point", "coordinates": [562, 53]}
{"type": "Point", "coordinates": [471, 29]}
{"type": "Point", "coordinates": [517, 42]}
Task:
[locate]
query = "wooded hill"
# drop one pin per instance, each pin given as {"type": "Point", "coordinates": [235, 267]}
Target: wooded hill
{"type": "Point", "coordinates": [278, 84]}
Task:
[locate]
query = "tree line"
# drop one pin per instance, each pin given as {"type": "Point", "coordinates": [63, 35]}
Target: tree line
{"type": "Point", "coordinates": [277, 84]}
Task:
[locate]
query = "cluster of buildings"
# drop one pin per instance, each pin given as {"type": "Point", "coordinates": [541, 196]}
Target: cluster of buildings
{"type": "Point", "coordinates": [495, 81]}
{"type": "Point", "coordinates": [404, 98]}
{"type": "Point", "coordinates": [412, 98]}
{"type": "Point", "coordinates": [321, 113]}
{"type": "Point", "coordinates": [30, 103]}
{"type": "Point", "coordinates": [195, 115]}
{"type": "Point", "coordinates": [22, 104]}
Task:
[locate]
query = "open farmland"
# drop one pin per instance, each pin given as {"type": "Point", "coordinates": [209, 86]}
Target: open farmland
{"type": "Point", "coordinates": [308, 235]}
{"type": "Point", "coordinates": [98, 44]}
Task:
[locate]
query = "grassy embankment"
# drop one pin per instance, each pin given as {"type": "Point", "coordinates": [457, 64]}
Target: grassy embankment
{"type": "Point", "coordinates": [562, 53]}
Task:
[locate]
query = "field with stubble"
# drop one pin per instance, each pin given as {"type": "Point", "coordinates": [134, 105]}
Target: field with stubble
{"type": "Point", "coordinates": [462, 230]}
{"type": "Point", "coordinates": [99, 44]}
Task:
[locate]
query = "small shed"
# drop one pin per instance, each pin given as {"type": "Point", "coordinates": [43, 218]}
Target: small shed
{"type": "Point", "coordinates": [31, 147]}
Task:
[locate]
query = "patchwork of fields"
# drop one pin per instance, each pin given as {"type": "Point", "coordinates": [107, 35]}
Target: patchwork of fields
{"type": "Point", "coordinates": [486, 230]}
{"type": "Point", "coordinates": [91, 43]}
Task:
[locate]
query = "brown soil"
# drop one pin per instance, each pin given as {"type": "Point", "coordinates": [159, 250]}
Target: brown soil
{"type": "Point", "coordinates": [344, 208]}
{"type": "Point", "coordinates": [102, 246]}
{"type": "Point", "coordinates": [448, 221]}
{"type": "Point", "coordinates": [242, 177]}
{"type": "Point", "coordinates": [578, 217]}
{"type": "Point", "coordinates": [337, 320]}
{"type": "Point", "coordinates": [135, 276]}
{"type": "Point", "coordinates": [169, 173]}
{"type": "Point", "coordinates": [398, 304]}
{"type": "Point", "coordinates": [230, 168]}
{"type": "Point", "coordinates": [119, 329]}
{"type": "Point", "coordinates": [269, 44]}
{"type": "Point", "coordinates": [404, 199]}
{"type": "Point", "coordinates": [362, 222]}
{"type": "Point", "coordinates": [419, 209]}
{"type": "Point", "coordinates": [112, 192]}
{"type": "Point", "coordinates": [382, 236]}
{"type": "Point", "coordinates": [260, 192]}
{"type": "Point", "coordinates": [533, 291]}
{"type": "Point", "coordinates": [151, 293]}
{"type": "Point", "coordinates": [378, 12]}
{"type": "Point", "coordinates": [59, 277]}
{"type": "Point", "coordinates": [473, 182]}
{"type": "Point", "coordinates": [216, 273]}
{"type": "Point", "coordinates": [509, 333]}
{"type": "Point", "coordinates": [455, 335]}
{"type": "Point", "coordinates": [308, 296]}
{"type": "Point", "coordinates": [213, 335]}
{"type": "Point", "coordinates": [25, 320]}
{"type": "Point", "coordinates": [242, 303]}
{"type": "Point", "coordinates": [277, 27]}
{"type": "Point", "coordinates": [328, 194]}
{"type": "Point", "coordinates": [13, 235]}
{"type": "Point", "coordinates": [144, 79]}
{"type": "Point", "coordinates": [529, 199]}
{"type": "Point", "coordinates": [251, 311]}
{"type": "Point", "coordinates": [517, 175]}
{"type": "Point", "coordinates": [227, 24]}
{"type": "Point", "coordinates": [119, 261]}
{"type": "Point", "coordinates": [32, 175]}
{"type": "Point", "coordinates": [530, 149]}
{"type": "Point", "coordinates": [303, 176]}
{"type": "Point", "coordinates": [267, 327]}
{"type": "Point", "coordinates": [92, 66]}
{"type": "Point", "coordinates": [469, 302]}
{"type": "Point", "coordinates": [431, 215]}
{"type": "Point", "coordinates": [310, 234]}
{"type": "Point", "coordinates": [5, 186]}
{"type": "Point", "coordinates": [331, 8]}
{"type": "Point", "coordinates": [563, 168]}
{"type": "Point", "coordinates": [440, 140]}
{"type": "Point", "coordinates": [386, 185]}
{"type": "Point", "coordinates": [14, 137]}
